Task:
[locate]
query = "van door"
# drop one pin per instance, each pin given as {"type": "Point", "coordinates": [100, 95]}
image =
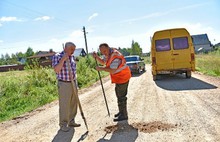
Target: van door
{"type": "Point", "coordinates": [181, 54]}
{"type": "Point", "coordinates": [163, 52]}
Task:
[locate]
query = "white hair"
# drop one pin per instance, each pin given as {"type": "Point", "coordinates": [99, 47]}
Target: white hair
{"type": "Point", "coordinates": [68, 44]}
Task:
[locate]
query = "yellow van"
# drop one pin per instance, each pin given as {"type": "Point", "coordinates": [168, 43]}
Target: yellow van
{"type": "Point", "coordinates": [172, 52]}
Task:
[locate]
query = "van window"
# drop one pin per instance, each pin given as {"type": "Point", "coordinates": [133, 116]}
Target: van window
{"type": "Point", "coordinates": [162, 45]}
{"type": "Point", "coordinates": [180, 43]}
{"type": "Point", "coordinates": [129, 59]}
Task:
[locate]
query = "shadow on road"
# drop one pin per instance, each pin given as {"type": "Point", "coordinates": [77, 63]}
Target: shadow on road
{"type": "Point", "coordinates": [83, 136]}
{"type": "Point", "coordinates": [179, 82]}
{"type": "Point", "coordinates": [64, 136]}
{"type": "Point", "coordinates": [123, 133]}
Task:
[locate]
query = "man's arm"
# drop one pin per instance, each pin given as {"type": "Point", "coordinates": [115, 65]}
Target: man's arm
{"type": "Point", "coordinates": [113, 66]}
{"type": "Point", "coordinates": [59, 66]}
{"type": "Point", "coordinates": [106, 69]}
{"type": "Point", "coordinates": [101, 61]}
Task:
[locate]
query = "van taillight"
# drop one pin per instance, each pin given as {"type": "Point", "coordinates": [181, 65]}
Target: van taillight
{"type": "Point", "coordinates": [192, 56]}
{"type": "Point", "coordinates": [153, 60]}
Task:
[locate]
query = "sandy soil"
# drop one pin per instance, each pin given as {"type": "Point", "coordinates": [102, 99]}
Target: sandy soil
{"type": "Point", "coordinates": [170, 109]}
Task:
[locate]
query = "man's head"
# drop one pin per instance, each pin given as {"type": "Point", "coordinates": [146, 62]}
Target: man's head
{"type": "Point", "coordinates": [104, 49]}
{"type": "Point", "coordinates": [69, 48]}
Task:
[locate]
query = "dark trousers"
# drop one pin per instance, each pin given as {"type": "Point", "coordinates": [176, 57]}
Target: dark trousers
{"type": "Point", "coordinates": [121, 92]}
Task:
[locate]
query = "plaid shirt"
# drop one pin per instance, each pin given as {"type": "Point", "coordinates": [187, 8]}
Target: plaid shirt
{"type": "Point", "coordinates": [64, 72]}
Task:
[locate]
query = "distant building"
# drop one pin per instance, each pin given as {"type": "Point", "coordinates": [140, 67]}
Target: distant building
{"type": "Point", "coordinates": [201, 43]}
{"type": "Point", "coordinates": [79, 52]}
{"type": "Point", "coordinates": [45, 57]}
{"type": "Point", "coordinates": [22, 60]}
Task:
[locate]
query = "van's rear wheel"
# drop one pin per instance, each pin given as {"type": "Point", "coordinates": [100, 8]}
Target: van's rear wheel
{"type": "Point", "coordinates": [188, 74]}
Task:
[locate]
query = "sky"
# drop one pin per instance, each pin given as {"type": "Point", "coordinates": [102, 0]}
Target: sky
{"type": "Point", "coordinates": [47, 24]}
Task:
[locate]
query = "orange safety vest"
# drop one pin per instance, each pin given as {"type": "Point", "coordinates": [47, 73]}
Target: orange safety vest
{"type": "Point", "coordinates": [123, 73]}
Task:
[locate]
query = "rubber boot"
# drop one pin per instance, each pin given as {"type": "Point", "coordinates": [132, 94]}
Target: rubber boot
{"type": "Point", "coordinates": [117, 114]}
{"type": "Point", "coordinates": [123, 115]}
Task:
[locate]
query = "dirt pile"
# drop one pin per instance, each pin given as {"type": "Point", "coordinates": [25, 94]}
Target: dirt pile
{"type": "Point", "coordinates": [110, 129]}
{"type": "Point", "coordinates": [142, 127]}
{"type": "Point", "coordinates": [154, 126]}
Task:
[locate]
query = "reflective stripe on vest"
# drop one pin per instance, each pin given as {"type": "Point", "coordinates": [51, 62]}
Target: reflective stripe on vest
{"type": "Point", "coordinates": [123, 64]}
{"type": "Point", "coordinates": [120, 69]}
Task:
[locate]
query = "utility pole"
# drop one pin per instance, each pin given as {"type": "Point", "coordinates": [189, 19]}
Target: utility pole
{"type": "Point", "coordinates": [84, 31]}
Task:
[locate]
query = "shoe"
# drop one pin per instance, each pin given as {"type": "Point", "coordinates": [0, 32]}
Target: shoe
{"type": "Point", "coordinates": [73, 124]}
{"type": "Point", "coordinates": [64, 128]}
{"type": "Point", "coordinates": [120, 118]}
{"type": "Point", "coordinates": [116, 115]}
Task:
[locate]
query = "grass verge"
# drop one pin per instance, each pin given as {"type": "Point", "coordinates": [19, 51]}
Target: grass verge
{"type": "Point", "coordinates": [23, 91]}
{"type": "Point", "coordinates": [209, 63]}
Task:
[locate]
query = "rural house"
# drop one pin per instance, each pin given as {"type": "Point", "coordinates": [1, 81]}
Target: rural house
{"type": "Point", "coordinates": [45, 57]}
{"type": "Point", "coordinates": [201, 43]}
{"type": "Point", "coordinates": [79, 52]}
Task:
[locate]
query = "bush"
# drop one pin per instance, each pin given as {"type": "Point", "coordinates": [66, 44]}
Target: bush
{"type": "Point", "coordinates": [86, 73]}
{"type": "Point", "coordinates": [23, 91]}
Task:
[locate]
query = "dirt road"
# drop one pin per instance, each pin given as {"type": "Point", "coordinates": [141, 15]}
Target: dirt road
{"type": "Point", "coordinates": [171, 109]}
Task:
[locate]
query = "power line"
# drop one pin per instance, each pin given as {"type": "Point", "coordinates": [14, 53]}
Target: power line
{"type": "Point", "coordinates": [34, 12]}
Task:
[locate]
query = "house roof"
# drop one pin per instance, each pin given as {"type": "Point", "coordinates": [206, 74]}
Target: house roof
{"type": "Point", "coordinates": [43, 55]}
{"type": "Point", "coordinates": [78, 51]}
{"type": "Point", "coordinates": [200, 39]}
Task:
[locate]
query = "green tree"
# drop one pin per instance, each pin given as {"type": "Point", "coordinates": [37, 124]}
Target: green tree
{"type": "Point", "coordinates": [124, 51]}
{"type": "Point", "coordinates": [136, 49]}
{"type": "Point", "coordinates": [13, 56]}
{"type": "Point", "coordinates": [14, 59]}
{"type": "Point", "coordinates": [7, 59]}
{"type": "Point", "coordinates": [2, 59]}
{"type": "Point", "coordinates": [20, 55]}
{"type": "Point", "coordinates": [29, 52]}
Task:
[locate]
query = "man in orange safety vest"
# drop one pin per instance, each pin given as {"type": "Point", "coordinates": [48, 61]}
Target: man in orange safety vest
{"type": "Point", "coordinates": [120, 74]}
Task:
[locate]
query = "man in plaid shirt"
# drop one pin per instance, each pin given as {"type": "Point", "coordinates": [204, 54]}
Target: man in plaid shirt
{"type": "Point", "coordinates": [67, 97]}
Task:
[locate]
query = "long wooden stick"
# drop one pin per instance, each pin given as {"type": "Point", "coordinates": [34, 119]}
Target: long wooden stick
{"type": "Point", "coordinates": [103, 91]}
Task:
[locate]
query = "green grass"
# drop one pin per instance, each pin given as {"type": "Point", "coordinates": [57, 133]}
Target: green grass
{"type": "Point", "coordinates": [209, 63]}
{"type": "Point", "coordinates": [23, 91]}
